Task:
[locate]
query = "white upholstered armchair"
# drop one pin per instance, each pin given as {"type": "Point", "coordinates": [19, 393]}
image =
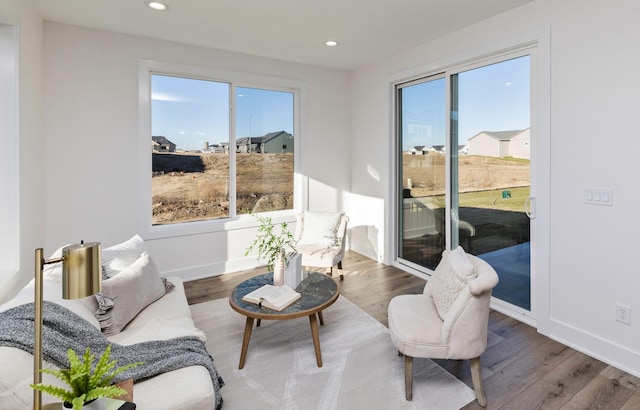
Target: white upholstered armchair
{"type": "Point", "coordinates": [321, 238]}
{"type": "Point", "coordinates": [449, 320]}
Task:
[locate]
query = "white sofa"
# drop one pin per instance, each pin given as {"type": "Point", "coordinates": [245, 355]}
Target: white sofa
{"type": "Point", "coordinates": [166, 318]}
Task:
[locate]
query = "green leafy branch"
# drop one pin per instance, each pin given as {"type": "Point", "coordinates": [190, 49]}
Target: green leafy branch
{"type": "Point", "coordinates": [84, 384]}
{"type": "Point", "coordinates": [270, 243]}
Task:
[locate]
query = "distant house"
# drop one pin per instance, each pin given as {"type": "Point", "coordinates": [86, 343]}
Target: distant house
{"type": "Point", "coordinates": [514, 143]}
{"type": "Point", "coordinates": [418, 150]}
{"type": "Point", "coordinates": [273, 142]}
{"type": "Point", "coordinates": [276, 142]}
{"type": "Point", "coordinates": [161, 144]}
{"type": "Point", "coordinates": [218, 148]}
{"type": "Point", "coordinates": [435, 149]}
{"type": "Point", "coordinates": [247, 144]}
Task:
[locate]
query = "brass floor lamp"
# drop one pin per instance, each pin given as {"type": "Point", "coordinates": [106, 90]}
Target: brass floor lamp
{"type": "Point", "coordinates": [81, 277]}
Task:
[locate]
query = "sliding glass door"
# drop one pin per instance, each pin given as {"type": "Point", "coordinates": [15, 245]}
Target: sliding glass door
{"type": "Point", "coordinates": [492, 184]}
{"type": "Point", "coordinates": [422, 171]}
{"type": "Point", "coordinates": [468, 183]}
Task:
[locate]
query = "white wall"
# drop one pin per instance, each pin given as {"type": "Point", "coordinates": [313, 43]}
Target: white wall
{"type": "Point", "coordinates": [28, 148]}
{"type": "Point", "coordinates": [590, 48]}
{"type": "Point", "coordinates": [92, 142]}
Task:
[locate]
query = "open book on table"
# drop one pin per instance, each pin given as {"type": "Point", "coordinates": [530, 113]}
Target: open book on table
{"type": "Point", "coordinates": [272, 297]}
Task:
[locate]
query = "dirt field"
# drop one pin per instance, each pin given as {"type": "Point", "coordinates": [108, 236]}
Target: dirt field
{"type": "Point", "coordinates": [190, 187]}
{"type": "Point", "coordinates": [476, 173]}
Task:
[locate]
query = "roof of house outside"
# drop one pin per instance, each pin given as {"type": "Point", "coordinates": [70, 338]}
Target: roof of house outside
{"type": "Point", "coordinates": [161, 140]}
{"type": "Point", "coordinates": [501, 135]}
{"type": "Point", "coordinates": [272, 135]}
{"type": "Point", "coordinates": [262, 139]}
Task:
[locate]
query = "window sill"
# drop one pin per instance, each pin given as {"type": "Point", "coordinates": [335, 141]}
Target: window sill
{"type": "Point", "coordinates": [213, 226]}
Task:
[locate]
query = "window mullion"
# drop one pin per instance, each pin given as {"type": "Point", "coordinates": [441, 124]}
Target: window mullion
{"type": "Point", "coordinates": [231, 184]}
{"type": "Point", "coordinates": [452, 162]}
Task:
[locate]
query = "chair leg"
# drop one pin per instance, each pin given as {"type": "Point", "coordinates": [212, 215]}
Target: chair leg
{"type": "Point", "coordinates": [476, 376]}
{"type": "Point", "coordinates": [408, 377]}
{"type": "Point", "coordinates": [340, 267]}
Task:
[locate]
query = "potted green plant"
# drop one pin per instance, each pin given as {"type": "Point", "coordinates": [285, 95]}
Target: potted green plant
{"type": "Point", "coordinates": [271, 243]}
{"type": "Point", "coordinates": [86, 385]}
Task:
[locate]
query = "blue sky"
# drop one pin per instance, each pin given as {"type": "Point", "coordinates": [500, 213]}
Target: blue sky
{"type": "Point", "coordinates": [490, 98]}
{"type": "Point", "coordinates": [190, 112]}
{"type": "Point", "coordinates": [263, 111]}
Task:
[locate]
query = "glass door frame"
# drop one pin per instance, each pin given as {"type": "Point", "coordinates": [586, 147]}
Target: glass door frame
{"type": "Point", "coordinates": [398, 151]}
{"type": "Point", "coordinates": [451, 230]}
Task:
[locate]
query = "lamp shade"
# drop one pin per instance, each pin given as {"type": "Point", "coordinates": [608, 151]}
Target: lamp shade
{"type": "Point", "coordinates": [81, 270]}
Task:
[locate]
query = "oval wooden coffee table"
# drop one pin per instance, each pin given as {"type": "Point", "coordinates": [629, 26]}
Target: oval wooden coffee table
{"type": "Point", "coordinates": [318, 292]}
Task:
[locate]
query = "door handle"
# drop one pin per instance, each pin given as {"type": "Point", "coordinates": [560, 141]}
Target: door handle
{"type": "Point", "coordinates": [530, 207]}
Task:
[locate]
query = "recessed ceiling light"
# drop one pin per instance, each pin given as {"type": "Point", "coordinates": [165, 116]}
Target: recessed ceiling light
{"type": "Point", "coordinates": [330, 43]}
{"type": "Point", "coordinates": [156, 5]}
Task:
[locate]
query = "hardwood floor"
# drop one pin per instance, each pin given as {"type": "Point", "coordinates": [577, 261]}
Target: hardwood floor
{"type": "Point", "coordinates": [521, 369]}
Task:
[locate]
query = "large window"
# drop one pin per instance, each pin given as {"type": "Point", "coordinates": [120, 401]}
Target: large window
{"type": "Point", "coordinates": [219, 149]}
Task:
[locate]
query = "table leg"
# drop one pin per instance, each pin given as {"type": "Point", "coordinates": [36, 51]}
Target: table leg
{"type": "Point", "coordinates": [320, 318]}
{"type": "Point", "coordinates": [245, 341]}
{"type": "Point", "coordinates": [313, 321]}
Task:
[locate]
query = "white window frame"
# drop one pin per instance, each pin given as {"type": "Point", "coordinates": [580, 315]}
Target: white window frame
{"type": "Point", "coordinates": [235, 79]}
{"type": "Point", "coordinates": [539, 41]}
{"type": "Point", "coordinates": [9, 165]}
{"type": "Point", "coordinates": [445, 71]}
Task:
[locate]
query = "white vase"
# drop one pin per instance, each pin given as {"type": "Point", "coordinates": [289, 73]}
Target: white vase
{"type": "Point", "coordinates": [278, 271]}
{"type": "Point", "coordinates": [97, 404]}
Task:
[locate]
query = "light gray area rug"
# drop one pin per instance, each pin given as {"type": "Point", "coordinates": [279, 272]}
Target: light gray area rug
{"type": "Point", "coordinates": [361, 368]}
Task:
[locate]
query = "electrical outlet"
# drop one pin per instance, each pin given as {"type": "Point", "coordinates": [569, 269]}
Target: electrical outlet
{"type": "Point", "coordinates": [623, 314]}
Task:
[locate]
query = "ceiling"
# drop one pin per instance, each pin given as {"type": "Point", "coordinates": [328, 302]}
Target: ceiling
{"type": "Point", "coordinates": [291, 30]}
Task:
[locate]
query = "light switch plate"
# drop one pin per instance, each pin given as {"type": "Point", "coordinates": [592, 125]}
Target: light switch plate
{"type": "Point", "coordinates": [598, 196]}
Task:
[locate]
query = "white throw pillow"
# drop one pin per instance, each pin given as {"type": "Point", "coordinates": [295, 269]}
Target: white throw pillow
{"type": "Point", "coordinates": [118, 257]}
{"type": "Point", "coordinates": [320, 228]}
{"type": "Point", "coordinates": [449, 279]}
{"type": "Point", "coordinates": [126, 294]}
{"type": "Point", "coordinates": [461, 264]}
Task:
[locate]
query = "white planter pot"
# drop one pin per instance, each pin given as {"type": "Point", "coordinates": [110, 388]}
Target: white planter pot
{"type": "Point", "coordinates": [98, 404]}
{"type": "Point", "coordinates": [278, 272]}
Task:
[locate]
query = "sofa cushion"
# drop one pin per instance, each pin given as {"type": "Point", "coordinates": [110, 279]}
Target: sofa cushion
{"type": "Point", "coordinates": [120, 256]}
{"type": "Point", "coordinates": [52, 291]}
{"type": "Point", "coordinates": [126, 294]}
{"type": "Point", "coordinates": [320, 228]}
{"type": "Point", "coordinates": [449, 279]}
{"type": "Point", "coordinates": [188, 388]}
{"type": "Point", "coordinates": [166, 318]}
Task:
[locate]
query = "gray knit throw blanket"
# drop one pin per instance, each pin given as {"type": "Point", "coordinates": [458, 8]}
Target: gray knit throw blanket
{"type": "Point", "coordinates": [63, 329]}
